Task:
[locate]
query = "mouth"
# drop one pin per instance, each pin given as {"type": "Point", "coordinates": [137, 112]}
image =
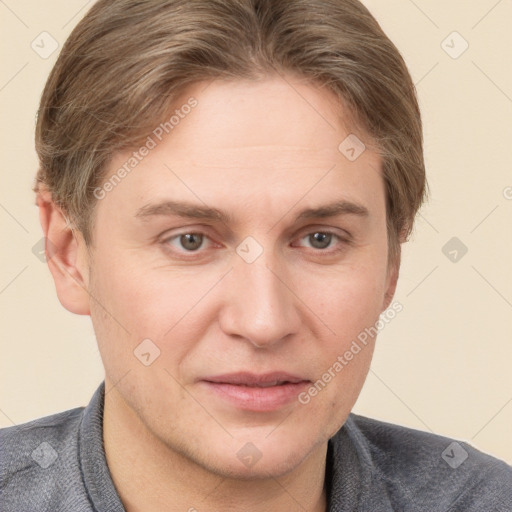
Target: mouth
{"type": "Point", "coordinates": [256, 392]}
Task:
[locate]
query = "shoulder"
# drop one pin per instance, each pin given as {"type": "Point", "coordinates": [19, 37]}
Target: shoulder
{"type": "Point", "coordinates": [429, 471]}
{"type": "Point", "coordinates": [34, 442]}
{"type": "Point", "coordinates": [39, 462]}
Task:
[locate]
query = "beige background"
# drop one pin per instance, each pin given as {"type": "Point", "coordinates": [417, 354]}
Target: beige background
{"type": "Point", "coordinates": [444, 363]}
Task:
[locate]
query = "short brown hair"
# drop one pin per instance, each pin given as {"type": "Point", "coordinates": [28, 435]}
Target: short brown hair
{"type": "Point", "coordinates": [127, 60]}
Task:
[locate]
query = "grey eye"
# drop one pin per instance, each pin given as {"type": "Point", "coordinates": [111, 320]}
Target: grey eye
{"type": "Point", "coordinates": [191, 241]}
{"type": "Point", "coordinates": [320, 240]}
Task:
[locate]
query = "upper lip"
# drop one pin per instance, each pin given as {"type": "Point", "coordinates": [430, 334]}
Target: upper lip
{"type": "Point", "coordinates": [255, 379]}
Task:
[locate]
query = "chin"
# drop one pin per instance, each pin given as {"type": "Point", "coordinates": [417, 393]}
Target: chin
{"type": "Point", "coordinates": [270, 465]}
{"type": "Point", "coordinates": [258, 456]}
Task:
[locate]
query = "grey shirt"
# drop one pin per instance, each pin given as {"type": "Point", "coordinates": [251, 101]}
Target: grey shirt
{"type": "Point", "coordinates": [58, 463]}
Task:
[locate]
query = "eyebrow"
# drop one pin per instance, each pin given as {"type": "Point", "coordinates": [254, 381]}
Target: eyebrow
{"type": "Point", "coordinates": [194, 211]}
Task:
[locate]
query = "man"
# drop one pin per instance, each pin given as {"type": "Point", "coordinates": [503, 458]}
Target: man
{"type": "Point", "coordinates": [224, 187]}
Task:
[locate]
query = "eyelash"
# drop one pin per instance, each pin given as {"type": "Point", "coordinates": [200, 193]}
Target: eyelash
{"type": "Point", "coordinates": [342, 240]}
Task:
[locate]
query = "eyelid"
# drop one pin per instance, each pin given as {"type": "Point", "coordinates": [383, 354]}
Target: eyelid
{"type": "Point", "coordinates": [345, 238]}
{"type": "Point", "coordinates": [167, 239]}
{"type": "Point", "coordinates": [308, 230]}
{"type": "Point", "coordinates": [339, 232]}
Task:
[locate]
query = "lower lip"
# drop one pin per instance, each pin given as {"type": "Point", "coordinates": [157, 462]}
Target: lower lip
{"type": "Point", "coordinates": [250, 398]}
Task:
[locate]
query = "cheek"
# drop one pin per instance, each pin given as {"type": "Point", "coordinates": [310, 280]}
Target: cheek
{"type": "Point", "coordinates": [135, 302]}
{"type": "Point", "coordinates": [348, 300]}
{"type": "Point", "coordinates": [347, 350]}
{"type": "Point", "coordinates": [147, 299]}
{"type": "Point", "coordinates": [350, 307]}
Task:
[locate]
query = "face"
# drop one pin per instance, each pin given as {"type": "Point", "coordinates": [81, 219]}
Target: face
{"type": "Point", "coordinates": [248, 292]}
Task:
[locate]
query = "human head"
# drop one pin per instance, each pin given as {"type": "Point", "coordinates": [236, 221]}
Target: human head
{"type": "Point", "coordinates": [158, 49]}
{"type": "Point", "coordinates": [145, 59]}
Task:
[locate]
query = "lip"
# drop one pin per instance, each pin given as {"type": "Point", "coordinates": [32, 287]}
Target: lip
{"type": "Point", "coordinates": [256, 392]}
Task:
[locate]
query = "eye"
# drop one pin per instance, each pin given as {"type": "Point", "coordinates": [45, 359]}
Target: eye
{"type": "Point", "coordinates": [190, 242]}
{"type": "Point", "coordinates": [321, 240]}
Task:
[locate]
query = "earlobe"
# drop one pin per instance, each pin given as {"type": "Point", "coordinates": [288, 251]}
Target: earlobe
{"type": "Point", "coordinates": [65, 255]}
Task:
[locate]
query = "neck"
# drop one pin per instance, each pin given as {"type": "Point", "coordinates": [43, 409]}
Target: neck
{"type": "Point", "coordinates": [149, 475]}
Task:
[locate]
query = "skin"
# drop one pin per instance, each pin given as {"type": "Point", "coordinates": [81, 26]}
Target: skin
{"type": "Point", "coordinates": [261, 151]}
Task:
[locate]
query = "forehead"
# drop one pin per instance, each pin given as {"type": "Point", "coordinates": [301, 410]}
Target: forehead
{"type": "Point", "coordinates": [273, 114]}
{"type": "Point", "coordinates": [266, 142]}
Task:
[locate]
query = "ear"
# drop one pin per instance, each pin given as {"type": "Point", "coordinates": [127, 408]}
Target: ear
{"type": "Point", "coordinates": [66, 255]}
{"type": "Point", "coordinates": [391, 281]}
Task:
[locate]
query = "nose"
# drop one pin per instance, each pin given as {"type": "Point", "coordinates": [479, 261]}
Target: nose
{"type": "Point", "coordinates": [260, 305]}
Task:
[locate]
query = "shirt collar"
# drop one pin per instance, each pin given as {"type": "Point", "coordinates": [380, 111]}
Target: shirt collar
{"type": "Point", "coordinates": [93, 463]}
